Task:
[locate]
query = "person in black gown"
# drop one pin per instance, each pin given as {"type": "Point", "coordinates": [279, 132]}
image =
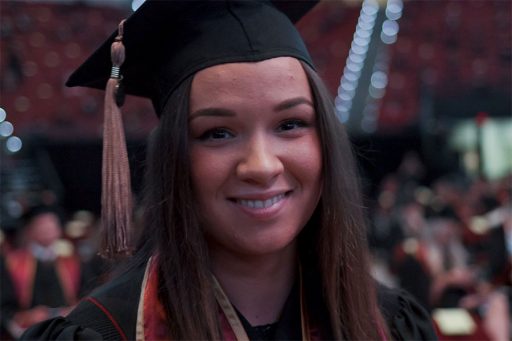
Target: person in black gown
{"type": "Point", "coordinates": [38, 280]}
{"type": "Point", "coordinates": [253, 226]}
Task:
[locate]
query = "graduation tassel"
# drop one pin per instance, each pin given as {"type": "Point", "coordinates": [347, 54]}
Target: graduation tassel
{"type": "Point", "coordinates": [116, 196]}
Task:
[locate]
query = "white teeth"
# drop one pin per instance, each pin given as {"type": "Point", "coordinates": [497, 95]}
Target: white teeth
{"type": "Point", "coordinates": [261, 203]}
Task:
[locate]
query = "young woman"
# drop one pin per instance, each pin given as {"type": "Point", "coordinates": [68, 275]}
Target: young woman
{"type": "Point", "coordinates": [253, 226]}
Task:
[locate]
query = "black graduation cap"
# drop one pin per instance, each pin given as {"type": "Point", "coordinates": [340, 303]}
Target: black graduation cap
{"type": "Point", "coordinates": [153, 51]}
{"type": "Point", "coordinates": [167, 41]}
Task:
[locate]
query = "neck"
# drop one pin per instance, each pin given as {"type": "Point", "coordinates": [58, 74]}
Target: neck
{"type": "Point", "coordinates": [257, 286]}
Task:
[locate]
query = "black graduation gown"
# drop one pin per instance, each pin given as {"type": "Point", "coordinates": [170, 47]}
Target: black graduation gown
{"type": "Point", "coordinates": [118, 301]}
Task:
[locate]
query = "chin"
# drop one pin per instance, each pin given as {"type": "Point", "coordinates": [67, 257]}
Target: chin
{"type": "Point", "coordinates": [267, 246]}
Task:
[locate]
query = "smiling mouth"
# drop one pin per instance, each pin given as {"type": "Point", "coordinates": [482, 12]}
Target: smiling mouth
{"type": "Point", "coordinates": [261, 203]}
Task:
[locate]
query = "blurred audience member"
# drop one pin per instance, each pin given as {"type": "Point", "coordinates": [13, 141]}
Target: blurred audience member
{"type": "Point", "coordinates": [385, 231]}
{"type": "Point", "coordinates": [42, 277]}
{"type": "Point", "coordinates": [448, 262]}
{"type": "Point", "coordinates": [83, 231]}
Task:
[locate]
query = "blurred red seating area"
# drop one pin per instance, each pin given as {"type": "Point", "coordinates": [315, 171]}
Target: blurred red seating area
{"type": "Point", "coordinates": [41, 45]}
{"type": "Point", "coordinates": [449, 46]}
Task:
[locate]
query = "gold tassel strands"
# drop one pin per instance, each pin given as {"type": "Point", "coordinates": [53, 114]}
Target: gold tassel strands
{"type": "Point", "coordinates": [116, 196]}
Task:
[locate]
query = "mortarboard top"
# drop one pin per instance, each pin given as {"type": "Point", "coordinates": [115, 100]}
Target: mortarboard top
{"type": "Point", "coordinates": [167, 41]}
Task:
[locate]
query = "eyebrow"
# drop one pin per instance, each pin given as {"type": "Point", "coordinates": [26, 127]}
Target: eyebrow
{"type": "Point", "coordinates": [221, 112]}
{"type": "Point", "coordinates": [290, 103]}
{"type": "Point", "coordinates": [211, 112]}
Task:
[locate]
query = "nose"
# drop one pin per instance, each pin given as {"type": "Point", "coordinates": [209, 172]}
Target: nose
{"type": "Point", "coordinates": [260, 163]}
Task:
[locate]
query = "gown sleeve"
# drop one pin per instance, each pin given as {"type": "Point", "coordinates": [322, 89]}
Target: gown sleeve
{"type": "Point", "coordinates": [88, 321]}
{"type": "Point", "coordinates": [406, 318]}
{"type": "Point", "coordinates": [60, 329]}
{"type": "Point", "coordinates": [110, 313]}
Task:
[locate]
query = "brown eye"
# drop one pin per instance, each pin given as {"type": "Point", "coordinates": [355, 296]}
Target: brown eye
{"type": "Point", "coordinates": [291, 124]}
{"type": "Point", "coordinates": [216, 134]}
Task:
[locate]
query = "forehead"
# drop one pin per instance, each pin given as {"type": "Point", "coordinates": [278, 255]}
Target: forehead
{"type": "Point", "coordinates": [271, 79]}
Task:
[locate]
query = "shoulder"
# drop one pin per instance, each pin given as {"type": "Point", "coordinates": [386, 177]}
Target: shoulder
{"type": "Point", "coordinates": [109, 313]}
{"type": "Point", "coordinates": [121, 291]}
{"type": "Point", "coordinates": [405, 317]}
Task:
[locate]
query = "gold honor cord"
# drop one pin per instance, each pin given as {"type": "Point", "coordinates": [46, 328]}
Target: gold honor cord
{"type": "Point", "coordinates": [234, 321]}
{"type": "Point", "coordinates": [229, 311]}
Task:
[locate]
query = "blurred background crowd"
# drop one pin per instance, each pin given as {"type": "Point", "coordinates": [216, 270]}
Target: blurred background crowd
{"type": "Point", "coordinates": [424, 88]}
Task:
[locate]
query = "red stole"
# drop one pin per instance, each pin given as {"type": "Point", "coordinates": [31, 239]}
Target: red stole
{"type": "Point", "coordinates": [21, 266]}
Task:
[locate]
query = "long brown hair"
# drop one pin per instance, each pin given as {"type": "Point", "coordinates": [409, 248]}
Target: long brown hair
{"type": "Point", "coordinates": [172, 229]}
{"type": "Point", "coordinates": [340, 234]}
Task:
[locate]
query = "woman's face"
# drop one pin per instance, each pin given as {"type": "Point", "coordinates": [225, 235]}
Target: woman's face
{"type": "Point", "coordinates": [255, 154]}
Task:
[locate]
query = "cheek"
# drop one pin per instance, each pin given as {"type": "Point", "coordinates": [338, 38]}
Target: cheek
{"type": "Point", "coordinates": [307, 158]}
{"type": "Point", "coordinates": [208, 170]}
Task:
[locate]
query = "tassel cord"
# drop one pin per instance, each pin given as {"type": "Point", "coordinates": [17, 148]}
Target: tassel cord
{"type": "Point", "coordinates": [116, 199]}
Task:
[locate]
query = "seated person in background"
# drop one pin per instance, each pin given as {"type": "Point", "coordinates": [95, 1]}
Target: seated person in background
{"type": "Point", "coordinates": [456, 283]}
{"type": "Point", "coordinates": [39, 279]}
